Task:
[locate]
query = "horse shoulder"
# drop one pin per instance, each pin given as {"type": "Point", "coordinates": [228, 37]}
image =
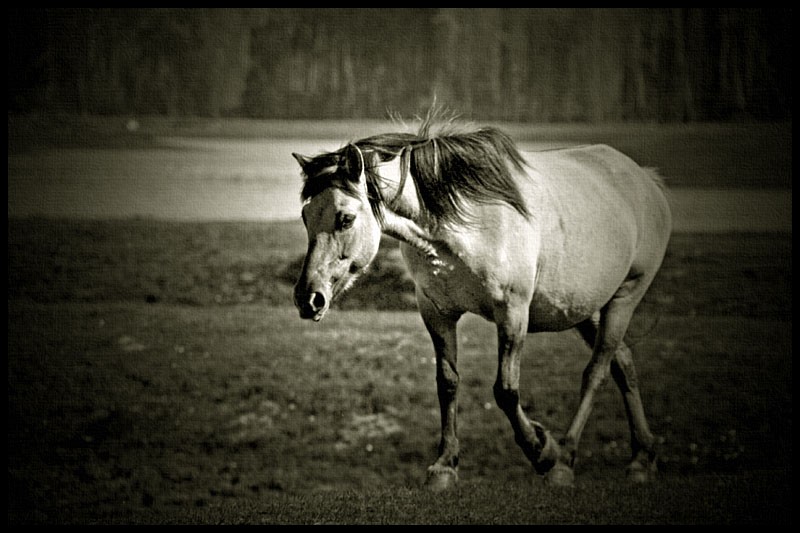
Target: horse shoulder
{"type": "Point", "coordinates": [480, 266]}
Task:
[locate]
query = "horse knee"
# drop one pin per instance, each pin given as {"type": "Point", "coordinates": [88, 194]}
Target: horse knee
{"type": "Point", "coordinates": [447, 378]}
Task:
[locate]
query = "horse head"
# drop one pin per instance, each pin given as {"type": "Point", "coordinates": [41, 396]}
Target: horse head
{"type": "Point", "coordinates": [343, 231]}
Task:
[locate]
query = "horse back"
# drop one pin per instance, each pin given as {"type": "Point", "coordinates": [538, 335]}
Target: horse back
{"type": "Point", "coordinates": [596, 189]}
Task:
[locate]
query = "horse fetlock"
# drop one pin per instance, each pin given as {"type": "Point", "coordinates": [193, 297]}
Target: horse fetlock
{"type": "Point", "coordinates": [507, 399]}
{"type": "Point", "coordinates": [547, 450]}
{"type": "Point", "coordinates": [551, 450]}
{"type": "Point", "coordinates": [448, 454]}
{"type": "Point", "coordinates": [644, 445]}
{"type": "Point", "coordinates": [568, 451]}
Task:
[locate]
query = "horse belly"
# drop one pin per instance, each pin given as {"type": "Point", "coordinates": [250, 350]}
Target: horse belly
{"type": "Point", "coordinates": [560, 311]}
{"type": "Point", "coordinates": [573, 289]}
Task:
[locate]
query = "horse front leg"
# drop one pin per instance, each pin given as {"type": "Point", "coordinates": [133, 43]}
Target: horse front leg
{"type": "Point", "coordinates": [443, 474]}
{"type": "Point", "coordinates": [536, 443]}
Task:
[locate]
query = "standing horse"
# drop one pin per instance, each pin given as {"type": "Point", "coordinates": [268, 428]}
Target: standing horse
{"type": "Point", "coordinates": [544, 241]}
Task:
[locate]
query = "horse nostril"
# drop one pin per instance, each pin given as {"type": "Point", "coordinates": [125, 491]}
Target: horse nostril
{"type": "Point", "coordinates": [317, 301]}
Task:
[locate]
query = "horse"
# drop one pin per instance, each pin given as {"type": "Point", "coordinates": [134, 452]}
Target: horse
{"type": "Point", "coordinates": [538, 241]}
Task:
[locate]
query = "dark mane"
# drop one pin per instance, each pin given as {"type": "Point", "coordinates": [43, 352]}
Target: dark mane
{"type": "Point", "coordinates": [453, 169]}
{"type": "Point", "coordinates": [450, 169]}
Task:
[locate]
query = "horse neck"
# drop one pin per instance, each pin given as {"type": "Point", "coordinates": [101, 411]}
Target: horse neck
{"type": "Point", "coordinates": [397, 187]}
{"type": "Point", "coordinates": [402, 217]}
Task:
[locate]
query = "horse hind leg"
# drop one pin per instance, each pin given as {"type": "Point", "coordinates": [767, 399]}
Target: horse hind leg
{"type": "Point", "coordinates": [643, 459]}
{"type": "Point", "coordinates": [643, 463]}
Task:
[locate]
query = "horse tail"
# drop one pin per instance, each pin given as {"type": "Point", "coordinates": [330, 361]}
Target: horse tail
{"type": "Point", "coordinates": [656, 176]}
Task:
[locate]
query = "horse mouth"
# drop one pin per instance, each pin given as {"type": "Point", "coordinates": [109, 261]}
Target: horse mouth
{"type": "Point", "coordinates": [319, 315]}
{"type": "Point", "coordinates": [315, 306]}
{"type": "Point", "coordinates": [307, 313]}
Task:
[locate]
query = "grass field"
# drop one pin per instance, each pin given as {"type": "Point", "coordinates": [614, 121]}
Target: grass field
{"type": "Point", "coordinates": [158, 374]}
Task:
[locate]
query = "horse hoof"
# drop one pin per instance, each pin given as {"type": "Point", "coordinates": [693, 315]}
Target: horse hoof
{"type": "Point", "coordinates": [560, 476]}
{"type": "Point", "coordinates": [638, 473]}
{"type": "Point", "coordinates": [441, 478]}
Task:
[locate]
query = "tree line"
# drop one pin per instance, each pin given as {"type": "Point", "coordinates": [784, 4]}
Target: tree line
{"type": "Point", "coordinates": [543, 65]}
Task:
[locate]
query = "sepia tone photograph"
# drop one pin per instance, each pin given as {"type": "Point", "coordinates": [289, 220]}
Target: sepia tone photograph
{"type": "Point", "coordinates": [384, 266]}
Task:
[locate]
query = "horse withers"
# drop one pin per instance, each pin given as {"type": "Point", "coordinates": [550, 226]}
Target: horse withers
{"type": "Point", "coordinates": [541, 241]}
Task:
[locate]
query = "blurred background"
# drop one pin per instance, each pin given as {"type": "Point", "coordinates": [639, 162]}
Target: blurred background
{"type": "Point", "coordinates": [193, 113]}
{"type": "Point", "coordinates": [532, 65]}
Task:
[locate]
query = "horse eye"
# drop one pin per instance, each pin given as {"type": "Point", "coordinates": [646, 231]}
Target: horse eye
{"type": "Point", "coordinates": [344, 221]}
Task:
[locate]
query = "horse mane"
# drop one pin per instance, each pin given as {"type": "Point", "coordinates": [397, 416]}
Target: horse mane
{"type": "Point", "coordinates": [453, 168]}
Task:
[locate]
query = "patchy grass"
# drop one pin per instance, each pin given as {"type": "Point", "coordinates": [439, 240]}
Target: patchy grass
{"type": "Point", "coordinates": [136, 396]}
{"type": "Point", "coordinates": [127, 408]}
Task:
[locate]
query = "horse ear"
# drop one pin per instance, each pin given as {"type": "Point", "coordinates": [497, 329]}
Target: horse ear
{"type": "Point", "coordinates": [352, 162]}
{"type": "Point", "coordinates": [301, 160]}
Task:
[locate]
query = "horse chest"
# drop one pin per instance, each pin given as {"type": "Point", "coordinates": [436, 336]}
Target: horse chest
{"type": "Point", "coordinates": [451, 285]}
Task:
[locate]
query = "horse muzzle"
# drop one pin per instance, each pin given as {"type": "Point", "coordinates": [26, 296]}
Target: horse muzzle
{"type": "Point", "coordinates": [312, 304]}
